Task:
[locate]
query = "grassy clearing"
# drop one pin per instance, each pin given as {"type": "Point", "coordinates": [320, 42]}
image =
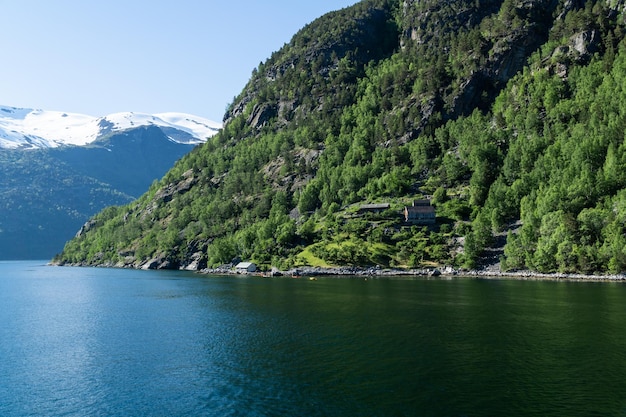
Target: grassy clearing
{"type": "Point", "coordinates": [306, 258]}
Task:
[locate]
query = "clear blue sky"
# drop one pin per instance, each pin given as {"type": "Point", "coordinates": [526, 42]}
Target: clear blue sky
{"type": "Point", "coordinates": [148, 56]}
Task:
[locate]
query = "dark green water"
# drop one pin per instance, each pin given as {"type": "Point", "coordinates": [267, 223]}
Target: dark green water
{"type": "Point", "coordinates": [77, 342]}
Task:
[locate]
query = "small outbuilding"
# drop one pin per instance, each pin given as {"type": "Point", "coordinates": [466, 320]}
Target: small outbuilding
{"type": "Point", "coordinates": [373, 208]}
{"type": "Point", "coordinates": [245, 267]}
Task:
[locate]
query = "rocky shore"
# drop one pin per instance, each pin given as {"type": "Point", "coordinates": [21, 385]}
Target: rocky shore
{"type": "Point", "coordinates": [490, 272]}
{"type": "Point", "coordinates": [351, 271]}
{"type": "Point", "coordinates": [354, 271]}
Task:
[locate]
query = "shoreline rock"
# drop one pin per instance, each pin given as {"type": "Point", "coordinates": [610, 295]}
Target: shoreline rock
{"type": "Point", "coordinates": [375, 271]}
{"type": "Point", "coordinates": [445, 272]}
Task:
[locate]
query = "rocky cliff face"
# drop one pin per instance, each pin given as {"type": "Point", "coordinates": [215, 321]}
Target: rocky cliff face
{"type": "Point", "coordinates": [418, 28]}
{"type": "Point", "coordinates": [315, 53]}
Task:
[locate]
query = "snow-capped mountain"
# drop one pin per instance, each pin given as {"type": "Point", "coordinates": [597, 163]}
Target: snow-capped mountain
{"type": "Point", "coordinates": [33, 129]}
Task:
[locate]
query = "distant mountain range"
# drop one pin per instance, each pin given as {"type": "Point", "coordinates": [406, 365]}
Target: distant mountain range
{"type": "Point", "coordinates": [35, 129]}
{"type": "Point", "coordinates": [57, 169]}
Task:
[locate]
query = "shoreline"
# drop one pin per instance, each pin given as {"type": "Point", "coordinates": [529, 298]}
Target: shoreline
{"type": "Point", "coordinates": [447, 272]}
{"type": "Point", "coordinates": [378, 272]}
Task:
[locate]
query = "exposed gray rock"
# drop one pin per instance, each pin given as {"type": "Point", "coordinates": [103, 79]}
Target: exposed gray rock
{"type": "Point", "coordinates": [166, 194]}
{"type": "Point", "coordinates": [196, 262]}
{"type": "Point", "coordinates": [152, 263]}
{"type": "Point", "coordinates": [586, 43]}
{"type": "Point", "coordinates": [261, 114]}
{"type": "Point", "coordinates": [86, 227]}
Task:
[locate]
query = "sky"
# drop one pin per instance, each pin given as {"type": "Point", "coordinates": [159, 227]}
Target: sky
{"type": "Point", "coordinates": [147, 56]}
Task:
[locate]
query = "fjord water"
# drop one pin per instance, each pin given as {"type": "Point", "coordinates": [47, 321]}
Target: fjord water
{"type": "Point", "coordinates": [87, 341]}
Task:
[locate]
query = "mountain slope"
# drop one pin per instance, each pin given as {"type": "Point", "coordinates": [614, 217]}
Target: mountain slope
{"type": "Point", "coordinates": [44, 201]}
{"type": "Point", "coordinates": [49, 188]}
{"type": "Point", "coordinates": [471, 105]}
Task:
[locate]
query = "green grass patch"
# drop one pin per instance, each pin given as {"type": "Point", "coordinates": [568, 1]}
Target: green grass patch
{"type": "Point", "coordinates": [306, 258]}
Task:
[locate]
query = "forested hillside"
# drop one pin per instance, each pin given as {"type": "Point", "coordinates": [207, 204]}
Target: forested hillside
{"type": "Point", "coordinates": [508, 116]}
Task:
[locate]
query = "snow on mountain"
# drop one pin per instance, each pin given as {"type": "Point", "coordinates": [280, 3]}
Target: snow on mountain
{"type": "Point", "coordinates": [30, 129]}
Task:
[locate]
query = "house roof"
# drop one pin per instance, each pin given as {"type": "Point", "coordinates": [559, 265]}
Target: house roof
{"type": "Point", "coordinates": [420, 209]}
{"type": "Point", "coordinates": [244, 265]}
{"type": "Point", "coordinates": [374, 206]}
{"type": "Point", "coordinates": [417, 203]}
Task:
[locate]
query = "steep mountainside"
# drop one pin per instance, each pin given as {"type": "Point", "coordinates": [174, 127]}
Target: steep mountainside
{"type": "Point", "coordinates": [505, 115]}
{"type": "Point", "coordinates": [48, 189]}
